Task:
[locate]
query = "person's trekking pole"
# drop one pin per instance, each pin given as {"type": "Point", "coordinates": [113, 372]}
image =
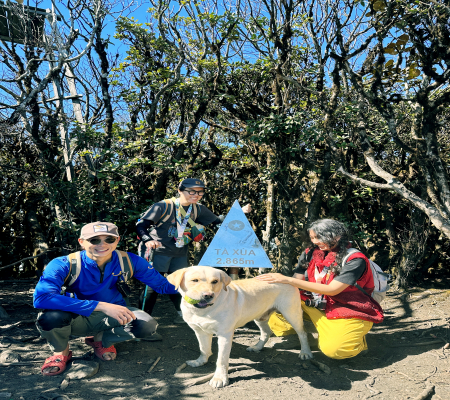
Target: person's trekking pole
{"type": "Point", "coordinates": [149, 257]}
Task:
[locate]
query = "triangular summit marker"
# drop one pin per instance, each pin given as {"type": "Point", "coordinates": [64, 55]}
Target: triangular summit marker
{"type": "Point", "coordinates": [236, 244]}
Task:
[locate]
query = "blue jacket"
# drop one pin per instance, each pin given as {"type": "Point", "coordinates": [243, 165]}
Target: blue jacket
{"type": "Point", "coordinates": [91, 286]}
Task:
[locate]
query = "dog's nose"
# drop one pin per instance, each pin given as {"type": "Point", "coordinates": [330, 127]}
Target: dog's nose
{"type": "Point", "coordinates": [208, 296]}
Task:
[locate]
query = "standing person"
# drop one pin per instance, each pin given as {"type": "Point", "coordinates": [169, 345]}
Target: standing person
{"type": "Point", "coordinates": [163, 227]}
{"type": "Point", "coordinates": [341, 312]}
{"type": "Point", "coordinates": [98, 307]}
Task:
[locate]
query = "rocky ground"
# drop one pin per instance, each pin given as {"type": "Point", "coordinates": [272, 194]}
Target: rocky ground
{"type": "Point", "coordinates": [408, 358]}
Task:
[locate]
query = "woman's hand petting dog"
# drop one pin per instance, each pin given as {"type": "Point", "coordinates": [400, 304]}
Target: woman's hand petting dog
{"type": "Point", "coordinates": [274, 278]}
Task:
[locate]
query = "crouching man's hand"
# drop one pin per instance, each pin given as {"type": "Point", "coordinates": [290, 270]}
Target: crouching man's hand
{"type": "Point", "coordinates": [120, 313]}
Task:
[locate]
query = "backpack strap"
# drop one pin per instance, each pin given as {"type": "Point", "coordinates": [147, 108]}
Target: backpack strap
{"type": "Point", "coordinates": [74, 268]}
{"type": "Point", "coordinates": [349, 253]}
{"type": "Point", "coordinates": [166, 213]}
{"type": "Point", "coordinates": [195, 211]}
{"type": "Point", "coordinates": [125, 264]}
{"type": "Point", "coordinates": [362, 290]}
{"type": "Point", "coordinates": [183, 214]}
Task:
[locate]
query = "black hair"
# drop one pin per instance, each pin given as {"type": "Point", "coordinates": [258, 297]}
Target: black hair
{"type": "Point", "coordinates": [336, 235]}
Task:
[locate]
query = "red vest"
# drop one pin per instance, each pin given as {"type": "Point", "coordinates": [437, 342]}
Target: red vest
{"type": "Point", "coordinates": [351, 302]}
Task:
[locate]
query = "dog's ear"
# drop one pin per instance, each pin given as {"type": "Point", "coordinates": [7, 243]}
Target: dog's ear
{"type": "Point", "coordinates": [225, 278]}
{"type": "Point", "coordinates": [176, 277]}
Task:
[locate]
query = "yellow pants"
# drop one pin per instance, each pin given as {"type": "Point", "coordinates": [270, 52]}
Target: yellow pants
{"type": "Point", "coordinates": [338, 338]}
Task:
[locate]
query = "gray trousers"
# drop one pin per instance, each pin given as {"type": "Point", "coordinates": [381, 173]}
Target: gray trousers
{"type": "Point", "coordinates": [58, 326]}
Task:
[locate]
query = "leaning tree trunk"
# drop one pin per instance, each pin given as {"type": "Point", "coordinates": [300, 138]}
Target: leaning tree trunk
{"type": "Point", "coordinates": [394, 248]}
{"type": "Point", "coordinates": [414, 250]}
{"type": "Point", "coordinates": [268, 233]}
{"type": "Point", "coordinates": [413, 240]}
{"type": "Point", "coordinates": [316, 199]}
{"type": "Point", "coordinates": [37, 236]}
{"type": "Point", "coordinates": [284, 250]}
{"type": "Point", "coordinates": [270, 207]}
{"type": "Point", "coordinates": [61, 237]}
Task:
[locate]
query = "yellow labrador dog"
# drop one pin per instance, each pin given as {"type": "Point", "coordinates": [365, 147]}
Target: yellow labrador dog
{"type": "Point", "coordinates": [214, 305]}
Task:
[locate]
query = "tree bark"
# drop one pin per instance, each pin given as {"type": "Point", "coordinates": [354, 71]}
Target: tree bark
{"type": "Point", "coordinates": [37, 236]}
{"type": "Point", "coordinates": [270, 207]}
{"type": "Point", "coordinates": [316, 199]}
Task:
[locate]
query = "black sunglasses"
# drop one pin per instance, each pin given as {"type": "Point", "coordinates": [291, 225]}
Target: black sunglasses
{"type": "Point", "coordinates": [192, 192]}
{"type": "Point", "coordinates": [95, 240]}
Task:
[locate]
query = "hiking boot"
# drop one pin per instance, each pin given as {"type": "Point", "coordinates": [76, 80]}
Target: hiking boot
{"type": "Point", "coordinates": [154, 338]}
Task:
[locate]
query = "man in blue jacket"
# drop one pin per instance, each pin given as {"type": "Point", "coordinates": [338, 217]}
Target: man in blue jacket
{"type": "Point", "coordinates": [97, 308]}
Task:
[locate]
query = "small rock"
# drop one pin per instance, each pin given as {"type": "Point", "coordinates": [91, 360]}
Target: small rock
{"type": "Point", "coordinates": [9, 356]}
{"type": "Point", "coordinates": [321, 366]}
{"type": "Point", "coordinates": [38, 340]}
{"type": "Point", "coordinates": [39, 355]}
{"type": "Point", "coordinates": [82, 369]}
{"type": "Point", "coordinates": [3, 313]}
{"type": "Point", "coordinates": [180, 368]}
{"type": "Point", "coordinates": [64, 384]}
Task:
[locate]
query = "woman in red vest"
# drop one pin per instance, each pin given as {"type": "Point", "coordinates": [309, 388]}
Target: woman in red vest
{"type": "Point", "coordinates": [341, 312]}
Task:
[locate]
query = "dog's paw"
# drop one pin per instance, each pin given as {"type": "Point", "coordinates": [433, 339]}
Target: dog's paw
{"type": "Point", "coordinates": [305, 355]}
{"type": "Point", "coordinates": [196, 363]}
{"type": "Point", "coordinates": [254, 349]}
{"type": "Point", "coordinates": [218, 381]}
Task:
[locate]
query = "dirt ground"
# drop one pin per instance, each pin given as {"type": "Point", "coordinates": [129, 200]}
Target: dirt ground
{"type": "Point", "coordinates": [407, 358]}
